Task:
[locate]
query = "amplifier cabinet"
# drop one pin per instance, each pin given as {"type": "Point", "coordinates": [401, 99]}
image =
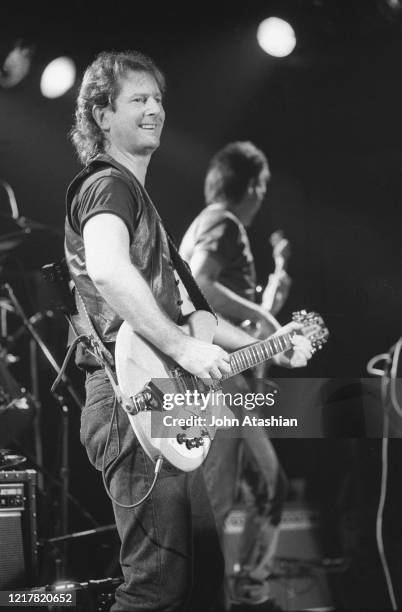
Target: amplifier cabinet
{"type": "Point", "coordinates": [18, 529]}
{"type": "Point", "coordinates": [299, 586]}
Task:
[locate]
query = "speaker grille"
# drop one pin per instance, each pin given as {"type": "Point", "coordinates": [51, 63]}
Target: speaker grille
{"type": "Point", "coordinates": [18, 537]}
{"type": "Point", "coordinates": [12, 563]}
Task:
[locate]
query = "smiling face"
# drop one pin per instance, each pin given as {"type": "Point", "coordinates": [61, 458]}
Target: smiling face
{"type": "Point", "coordinates": [135, 124]}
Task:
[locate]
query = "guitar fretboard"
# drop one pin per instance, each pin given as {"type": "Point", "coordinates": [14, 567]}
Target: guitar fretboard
{"type": "Point", "coordinates": [255, 354]}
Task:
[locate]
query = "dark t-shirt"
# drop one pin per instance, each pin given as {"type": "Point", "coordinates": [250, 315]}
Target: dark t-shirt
{"type": "Point", "coordinates": [103, 194]}
{"type": "Point", "coordinates": [106, 194]}
{"type": "Point", "coordinates": [219, 232]}
{"type": "Point", "coordinates": [105, 186]}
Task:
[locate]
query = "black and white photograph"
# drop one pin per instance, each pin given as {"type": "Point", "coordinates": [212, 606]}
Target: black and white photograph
{"type": "Point", "coordinates": [201, 306]}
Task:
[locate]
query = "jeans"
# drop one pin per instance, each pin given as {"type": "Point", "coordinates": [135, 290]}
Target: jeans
{"type": "Point", "coordinates": [251, 460]}
{"type": "Point", "coordinates": [222, 471]}
{"type": "Point", "coordinates": [170, 553]}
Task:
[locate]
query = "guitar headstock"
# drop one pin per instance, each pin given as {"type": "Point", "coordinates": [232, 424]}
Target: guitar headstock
{"type": "Point", "coordinates": [280, 247]}
{"type": "Point", "coordinates": [314, 327]}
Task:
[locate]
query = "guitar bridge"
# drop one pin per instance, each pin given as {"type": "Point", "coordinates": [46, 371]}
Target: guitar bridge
{"type": "Point", "coordinates": [150, 398]}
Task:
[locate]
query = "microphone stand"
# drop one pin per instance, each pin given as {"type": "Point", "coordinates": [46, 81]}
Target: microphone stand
{"type": "Point", "coordinates": [64, 469]}
{"type": "Point", "coordinates": [33, 365]}
{"type": "Point", "coordinates": [11, 199]}
{"type": "Point", "coordinates": [41, 344]}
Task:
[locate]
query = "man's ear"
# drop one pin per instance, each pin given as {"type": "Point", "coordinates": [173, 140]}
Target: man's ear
{"type": "Point", "coordinates": [251, 186]}
{"type": "Point", "coordinates": [101, 116]}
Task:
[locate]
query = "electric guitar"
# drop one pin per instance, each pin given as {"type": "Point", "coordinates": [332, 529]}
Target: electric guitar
{"type": "Point", "coordinates": [281, 253]}
{"type": "Point", "coordinates": [146, 377]}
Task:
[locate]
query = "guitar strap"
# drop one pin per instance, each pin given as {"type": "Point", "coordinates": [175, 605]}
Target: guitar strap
{"type": "Point", "coordinates": [96, 346]}
{"type": "Point", "coordinates": [182, 268]}
{"type": "Point", "coordinates": [99, 350]}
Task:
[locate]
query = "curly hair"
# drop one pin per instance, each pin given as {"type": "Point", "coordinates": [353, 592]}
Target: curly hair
{"type": "Point", "coordinates": [230, 171]}
{"type": "Point", "coordinates": [100, 87]}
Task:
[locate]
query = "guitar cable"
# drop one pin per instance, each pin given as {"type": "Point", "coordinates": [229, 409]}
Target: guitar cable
{"type": "Point", "coordinates": [381, 504]}
{"type": "Point", "coordinates": [157, 468]}
{"type": "Point", "coordinates": [83, 338]}
{"type": "Point", "coordinates": [385, 382]}
{"type": "Point", "coordinates": [394, 375]}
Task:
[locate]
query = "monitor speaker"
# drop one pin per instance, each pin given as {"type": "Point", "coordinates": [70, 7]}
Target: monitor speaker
{"type": "Point", "coordinates": [301, 584]}
{"type": "Point", "coordinates": [18, 535]}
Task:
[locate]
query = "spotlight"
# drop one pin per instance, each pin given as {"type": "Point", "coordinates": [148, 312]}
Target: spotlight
{"type": "Point", "coordinates": [16, 65]}
{"type": "Point", "coordinates": [276, 37]}
{"type": "Point", "coordinates": [58, 77]}
{"type": "Point", "coordinates": [394, 4]}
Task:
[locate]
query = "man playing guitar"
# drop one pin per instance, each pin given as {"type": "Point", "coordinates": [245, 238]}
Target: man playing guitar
{"type": "Point", "coordinates": [217, 248]}
{"type": "Point", "coordinates": [118, 255]}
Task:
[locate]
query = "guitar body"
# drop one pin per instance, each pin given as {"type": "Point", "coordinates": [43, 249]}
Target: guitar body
{"type": "Point", "coordinates": [182, 432]}
{"type": "Point", "coordinates": [139, 363]}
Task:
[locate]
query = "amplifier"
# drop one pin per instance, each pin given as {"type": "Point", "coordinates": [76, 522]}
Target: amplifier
{"type": "Point", "coordinates": [295, 583]}
{"type": "Point", "coordinates": [18, 535]}
{"type": "Point", "coordinates": [300, 583]}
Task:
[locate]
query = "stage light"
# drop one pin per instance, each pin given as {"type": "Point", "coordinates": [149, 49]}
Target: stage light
{"type": "Point", "coordinates": [394, 4]}
{"type": "Point", "coordinates": [276, 37]}
{"type": "Point", "coordinates": [58, 77]}
{"type": "Point", "coordinates": [16, 65]}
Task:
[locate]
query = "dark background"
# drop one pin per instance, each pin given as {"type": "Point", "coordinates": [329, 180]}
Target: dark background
{"type": "Point", "coordinates": [327, 118]}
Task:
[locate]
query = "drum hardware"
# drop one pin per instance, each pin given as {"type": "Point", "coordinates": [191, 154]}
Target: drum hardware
{"type": "Point", "coordinates": [14, 390]}
{"type": "Point", "coordinates": [21, 256]}
{"type": "Point", "coordinates": [38, 342]}
{"type": "Point", "coordinates": [57, 546]}
{"type": "Point", "coordinates": [79, 534]}
{"type": "Point", "coordinates": [9, 460]}
{"type": "Point", "coordinates": [20, 241]}
{"type": "Point", "coordinates": [11, 199]}
{"type": "Point", "coordinates": [20, 403]}
{"type": "Point", "coordinates": [27, 323]}
{"type": "Point", "coordinates": [89, 596]}
{"type": "Point", "coordinates": [36, 318]}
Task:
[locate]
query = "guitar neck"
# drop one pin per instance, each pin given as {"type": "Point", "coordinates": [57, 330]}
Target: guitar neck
{"type": "Point", "coordinates": [258, 353]}
{"type": "Point", "coordinates": [280, 265]}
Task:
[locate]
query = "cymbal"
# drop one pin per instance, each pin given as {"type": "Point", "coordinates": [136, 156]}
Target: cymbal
{"type": "Point", "coordinates": [11, 233]}
{"type": "Point", "coordinates": [10, 241]}
{"type": "Point", "coordinates": [9, 459]}
{"type": "Point", "coordinates": [22, 226]}
{"type": "Point", "coordinates": [27, 243]}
